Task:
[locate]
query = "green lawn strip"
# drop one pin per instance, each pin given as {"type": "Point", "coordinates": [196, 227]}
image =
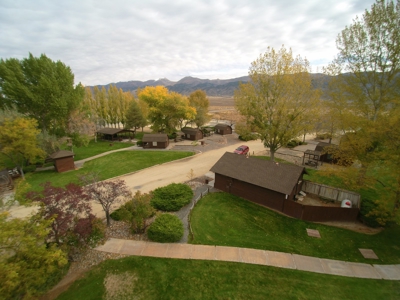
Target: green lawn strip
{"type": "Point", "coordinates": [227, 220]}
{"type": "Point", "coordinates": [157, 278]}
{"type": "Point", "coordinates": [111, 165]}
{"type": "Point", "coordinates": [95, 148]}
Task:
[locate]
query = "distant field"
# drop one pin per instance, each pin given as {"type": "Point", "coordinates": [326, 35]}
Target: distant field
{"type": "Point", "coordinates": [221, 101]}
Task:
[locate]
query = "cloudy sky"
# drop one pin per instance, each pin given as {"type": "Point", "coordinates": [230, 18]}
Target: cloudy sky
{"type": "Point", "coordinates": [109, 41]}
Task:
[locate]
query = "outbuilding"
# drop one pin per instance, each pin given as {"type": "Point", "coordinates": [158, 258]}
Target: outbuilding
{"type": "Point", "coordinates": [115, 134]}
{"type": "Point", "coordinates": [223, 129]}
{"type": "Point", "coordinates": [192, 134]}
{"type": "Point", "coordinates": [6, 182]}
{"type": "Point", "coordinates": [261, 181]}
{"type": "Point", "coordinates": [159, 140]}
{"type": "Point", "coordinates": [63, 160]}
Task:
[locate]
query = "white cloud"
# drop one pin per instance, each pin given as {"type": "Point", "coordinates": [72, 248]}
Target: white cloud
{"type": "Point", "coordinates": [110, 41]}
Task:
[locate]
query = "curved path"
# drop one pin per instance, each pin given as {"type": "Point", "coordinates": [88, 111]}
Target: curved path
{"type": "Point", "coordinates": [252, 256]}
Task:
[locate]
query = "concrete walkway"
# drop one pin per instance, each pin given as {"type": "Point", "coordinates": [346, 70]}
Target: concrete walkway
{"type": "Point", "coordinates": [252, 256]}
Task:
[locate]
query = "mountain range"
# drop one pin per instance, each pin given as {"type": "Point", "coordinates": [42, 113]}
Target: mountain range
{"type": "Point", "coordinates": [212, 87]}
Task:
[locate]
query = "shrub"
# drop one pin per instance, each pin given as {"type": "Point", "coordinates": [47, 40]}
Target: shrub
{"type": "Point", "coordinates": [30, 168]}
{"type": "Point", "coordinates": [166, 228]}
{"type": "Point", "coordinates": [248, 137]}
{"type": "Point", "coordinates": [367, 206]}
{"type": "Point", "coordinates": [323, 136]}
{"type": "Point", "coordinates": [293, 143]}
{"type": "Point", "coordinates": [171, 197]}
{"type": "Point", "coordinates": [121, 214]}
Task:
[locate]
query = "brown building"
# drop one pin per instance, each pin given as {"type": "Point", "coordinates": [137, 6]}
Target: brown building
{"type": "Point", "coordinates": [223, 129]}
{"type": "Point", "coordinates": [63, 160]}
{"type": "Point", "coordinates": [115, 134]}
{"type": "Point", "coordinates": [261, 181]}
{"type": "Point", "coordinates": [159, 141]}
{"type": "Point", "coordinates": [192, 134]}
{"type": "Point", "coordinates": [6, 182]}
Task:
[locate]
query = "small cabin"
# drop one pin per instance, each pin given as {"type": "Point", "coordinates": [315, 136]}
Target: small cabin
{"type": "Point", "coordinates": [223, 129]}
{"type": "Point", "coordinates": [192, 134]}
{"type": "Point", "coordinates": [63, 160]}
{"type": "Point", "coordinates": [6, 182]}
{"type": "Point", "coordinates": [155, 141]}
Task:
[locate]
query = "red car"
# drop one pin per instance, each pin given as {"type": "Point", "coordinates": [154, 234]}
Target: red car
{"type": "Point", "coordinates": [242, 150]}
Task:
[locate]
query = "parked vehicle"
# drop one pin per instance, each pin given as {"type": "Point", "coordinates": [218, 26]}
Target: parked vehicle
{"type": "Point", "coordinates": [242, 150]}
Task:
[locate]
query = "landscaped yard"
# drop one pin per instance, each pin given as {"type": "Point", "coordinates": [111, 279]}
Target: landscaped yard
{"type": "Point", "coordinates": [95, 148]}
{"type": "Point", "coordinates": [157, 278]}
{"type": "Point", "coordinates": [111, 165]}
{"type": "Point", "coordinates": [227, 220]}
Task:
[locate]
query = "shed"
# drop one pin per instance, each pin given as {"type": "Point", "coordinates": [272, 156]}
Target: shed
{"type": "Point", "coordinates": [324, 149]}
{"type": "Point", "coordinates": [6, 182]}
{"type": "Point", "coordinates": [193, 134]}
{"type": "Point", "coordinates": [159, 141]}
{"type": "Point", "coordinates": [115, 134]}
{"type": "Point", "coordinates": [223, 129]}
{"type": "Point", "coordinates": [63, 160]}
{"type": "Point", "coordinates": [261, 181]}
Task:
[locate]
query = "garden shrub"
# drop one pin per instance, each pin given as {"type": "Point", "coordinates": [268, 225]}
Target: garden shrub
{"type": "Point", "coordinates": [248, 137]}
{"type": "Point", "coordinates": [30, 168]}
{"type": "Point", "coordinates": [367, 206]}
{"type": "Point", "coordinates": [171, 197]}
{"type": "Point", "coordinates": [121, 214]}
{"type": "Point", "coordinates": [166, 228]}
{"type": "Point", "coordinates": [323, 136]}
{"type": "Point", "coordinates": [293, 143]}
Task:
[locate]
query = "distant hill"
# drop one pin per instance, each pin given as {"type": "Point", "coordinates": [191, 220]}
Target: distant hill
{"type": "Point", "coordinates": [213, 87]}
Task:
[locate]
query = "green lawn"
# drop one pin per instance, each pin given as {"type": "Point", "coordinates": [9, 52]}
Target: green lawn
{"type": "Point", "coordinates": [227, 220]}
{"type": "Point", "coordinates": [111, 165]}
{"type": "Point", "coordinates": [157, 278]}
{"type": "Point", "coordinates": [95, 148]}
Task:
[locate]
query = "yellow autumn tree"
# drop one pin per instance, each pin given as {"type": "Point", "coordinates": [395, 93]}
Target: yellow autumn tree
{"type": "Point", "coordinates": [277, 100]}
{"type": "Point", "coordinates": [166, 109]}
{"type": "Point", "coordinates": [19, 142]}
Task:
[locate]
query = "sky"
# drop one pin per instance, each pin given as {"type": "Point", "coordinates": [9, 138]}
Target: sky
{"type": "Point", "coordinates": [121, 40]}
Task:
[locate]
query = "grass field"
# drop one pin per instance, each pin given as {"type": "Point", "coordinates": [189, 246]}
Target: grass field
{"type": "Point", "coordinates": [111, 165]}
{"type": "Point", "coordinates": [156, 278]}
{"type": "Point", "coordinates": [226, 220]}
{"type": "Point", "coordinates": [95, 148]}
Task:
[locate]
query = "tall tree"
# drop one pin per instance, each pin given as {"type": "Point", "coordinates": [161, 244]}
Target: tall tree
{"type": "Point", "coordinates": [198, 99]}
{"type": "Point", "coordinates": [125, 98]}
{"type": "Point", "coordinates": [40, 88]}
{"type": "Point", "coordinates": [369, 60]}
{"type": "Point", "coordinates": [134, 116]}
{"type": "Point", "coordinates": [277, 97]}
{"type": "Point", "coordinates": [166, 109]}
{"type": "Point", "coordinates": [19, 142]}
{"type": "Point", "coordinates": [113, 105]}
{"type": "Point", "coordinates": [100, 97]}
{"type": "Point", "coordinates": [364, 91]}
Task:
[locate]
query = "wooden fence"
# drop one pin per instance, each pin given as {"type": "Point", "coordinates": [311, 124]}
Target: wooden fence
{"type": "Point", "coordinates": [331, 193]}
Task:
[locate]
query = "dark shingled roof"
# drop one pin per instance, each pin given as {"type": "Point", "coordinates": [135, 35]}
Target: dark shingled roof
{"type": "Point", "coordinates": [113, 130]}
{"type": "Point", "coordinates": [221, 126]}
{"type": "Point", "coordinates": [271, 175]}
{"type": "Point", "coordinates": [61, 154]}
{"type": "Point", "coordinates": [190, 130]}
{"type": "Point", "coordinates": [156, 137]}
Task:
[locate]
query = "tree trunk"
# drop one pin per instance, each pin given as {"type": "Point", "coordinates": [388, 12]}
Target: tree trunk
{"type": "Point", "coordinates": [108, 218]}
{"type": "Point", "coordinates": [272, 155]}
